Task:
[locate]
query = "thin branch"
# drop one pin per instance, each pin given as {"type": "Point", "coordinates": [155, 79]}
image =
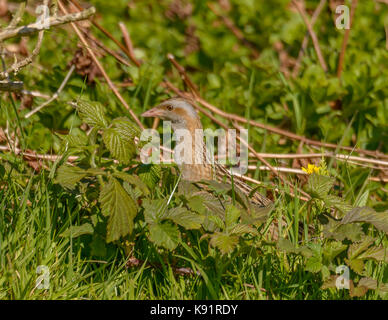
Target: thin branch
{"type": "Point", "coordinates": [55, 95]}
{"type": "Point", "coordinates": [18, 65]}
{"type": "Point", "coordinates": [183, 74]}
{"type": "Point", "coordinates": [17, 16]}
{"type": "Point", "coordinates": [313, 35]}
{"type": "Point", "coordinates": [236, 31]}
{"type": "Point", "coordinates": [346, 39]}
{"type": "Point", "coordinates": [305, 42]}
{"type": "Point", "coordinates": [107, 33]}
{"type": "Point", "coordinates": [53, 22]}
{"type": "Point", "coordinates": [128, 43]}
{"type": "Point", "coordinates": [102, 70]}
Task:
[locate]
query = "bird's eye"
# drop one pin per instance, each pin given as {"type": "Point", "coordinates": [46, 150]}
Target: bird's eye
{"type": "Point", "coordinates": [169, 108]}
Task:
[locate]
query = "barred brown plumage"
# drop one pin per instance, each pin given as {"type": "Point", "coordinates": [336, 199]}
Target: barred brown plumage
{"type": "Point", "coordinates": [182, 115]}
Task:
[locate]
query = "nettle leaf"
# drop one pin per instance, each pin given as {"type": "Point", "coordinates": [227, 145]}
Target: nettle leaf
{"type": "Point", "coordinates": [355, 260]}
{"type": "Point", "coordinates": [76, 231]}
{"type": "Point", "coordinates": [224, 242]}
{"type": "Point", "coordinates": [337, 202]}
{"type": "Point", "coordinates": [242, 229]}
{"type": "Point", "coordinates": [134, 180]}
{"type": "Point", "coordinates": [319, 186]}
{"type": "Point", "coordinates": [68, 176]}
{"type": "Point", "coordinates": [195, 203]}
{"type": "Point", "coordinates": [366, 214]}
{"type": "Point", "coordinates": [217, 221]}
{"type": "Point", "coordinates": [376, 253]}
{"type": "Point", "coordinates": [121, 148]}
{"type": "Point", "coordinates": [150, 174]}
{"type": "Point", "coordinates": [72, 140]}
{"type": "Point", "coordinates": [126, 128]}
{"type": "Point", "coordinates": [154, 210]}
{"type": "Point", "coordinates": [362, 200]}
{"type": "Point", "coordinates": [165, 235]}
{"type": "Point", "coordinates": [287, 246]}
{"type": "Point", "coordinates": [333, 249]}
{"type": "Point", "coordinates": [337, 231]}
{"type": "Point", "coordinates": [185, 218]}
{"type": "Point", "coordinates": [232, 214]}
{"type": "Point", "coordinates": [314, 264]}
{"type": "Point", "coordinates": [120, 207]}
{"type": "Point", "coordinates": [92, 113]}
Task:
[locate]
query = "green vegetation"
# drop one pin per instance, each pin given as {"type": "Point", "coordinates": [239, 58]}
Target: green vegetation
{"type": "Point", "coordinates": [109, 227]}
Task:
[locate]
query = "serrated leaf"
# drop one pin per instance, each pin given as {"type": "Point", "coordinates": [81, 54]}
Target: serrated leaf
{"type": "Point", "coordinates": [242, 229]}
{"type": "Point", "coordinates": [185, 218]}
{"type": "Point", "coordinates": [76, 231]}
{"type": "Point", "coordinates": [154, 210]}
{"type": "Point", "coordinates": [68, 176]}
{"type": "Point", "coordinates": [232, 214]}
{"type": "Point", "coordinates": [217, 221]}
{"type": "Point", "coordinates": [165, 234]}
{"type": "Point", "coordinates": [150, 174]}
{"type": "Point", "coordinates": [196, 204]}
{"type": "Point", "coordinates": [92, 113]}
{"type": "Point", "coordinates": [121, 149]}
{"type": "Point", "coordinates": [126, 128]}
{"type": "Point", "coordinates": [337, 231]}
{"type": "Point", "coordinates": [333, 249]}
{"type": "Point", "coordinates": [224, 242]}
{"type": "Point", "coordinates": [319, 186]}
{"type": "Point", "coordinates": [314, 264]}
{"type": "Point", "coordinates": [366, 214]}
{"type": "Point", "coordinates": [362, 200]}
{"type": "Point", "coordinates": [376, 253]}
{"type": "Point", "coordinates": [337, 202]}
{"type": "Point", "coordinates": [134, 180]}
{"type": "Point", "coordinates": [120, 207]}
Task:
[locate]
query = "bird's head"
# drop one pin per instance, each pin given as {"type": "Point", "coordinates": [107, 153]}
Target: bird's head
{"type": "Point", "coordinates": [178, 110]}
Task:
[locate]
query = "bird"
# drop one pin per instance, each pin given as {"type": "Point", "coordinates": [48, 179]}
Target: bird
{"type": "Point", "coordinates": [182, 115]}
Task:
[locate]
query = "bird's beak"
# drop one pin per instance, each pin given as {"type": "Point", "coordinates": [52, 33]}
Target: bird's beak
{"type": "Point", "coordinates": [154, 112]}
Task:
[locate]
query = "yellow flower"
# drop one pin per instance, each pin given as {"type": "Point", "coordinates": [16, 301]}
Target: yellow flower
{"type": "Point", "coordinates": [311, 168]}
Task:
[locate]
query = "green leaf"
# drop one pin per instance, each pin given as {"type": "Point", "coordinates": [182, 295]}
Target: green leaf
{"type": "Point", "coordinates": [195, 203]}
{"type": "Point", "coordinates": [232, 214]}
{"type": "Point", "coordinates": [120, 148]}
{"type": "Point", "coordinates": [154, 210]}
{"type": "Point", "coordinates": [165, 234]}
{"type": "Point", "coordinates": [337, 231]}
{"type": "Point", "coordinates": [76, 231]}
{"type": "Point", "coordinates": [68, 176]}
{"type": "Point", "coordinates": [224, 242]}
{"type": "Point", "coordinates": [314, 264]}
{"type": "Point", "coordinates": [366, 214]}
{"type": "Point", "coordinates": [242, 229]}
{"type": "Point", "coordinates": [319, 186]}
{"type": "Point", "coordinates": [134, 180]}
{"type": "Point", "coordinates": [92, 113]}
{"type": "Point", "coordinates": [150, 174]}
{"type": "Point", "coordinates": [337, 202]}
{"type": "Point", "coordinates": [185, 218]}
{"type": "Point", "coordinates": [120, 207]}
{"type": "Point", "coordinates": [333, 249]}
{"type": "Point", "coordinates": [126, 128]}
{"type": "Point", "coordinates": [362, 200]}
